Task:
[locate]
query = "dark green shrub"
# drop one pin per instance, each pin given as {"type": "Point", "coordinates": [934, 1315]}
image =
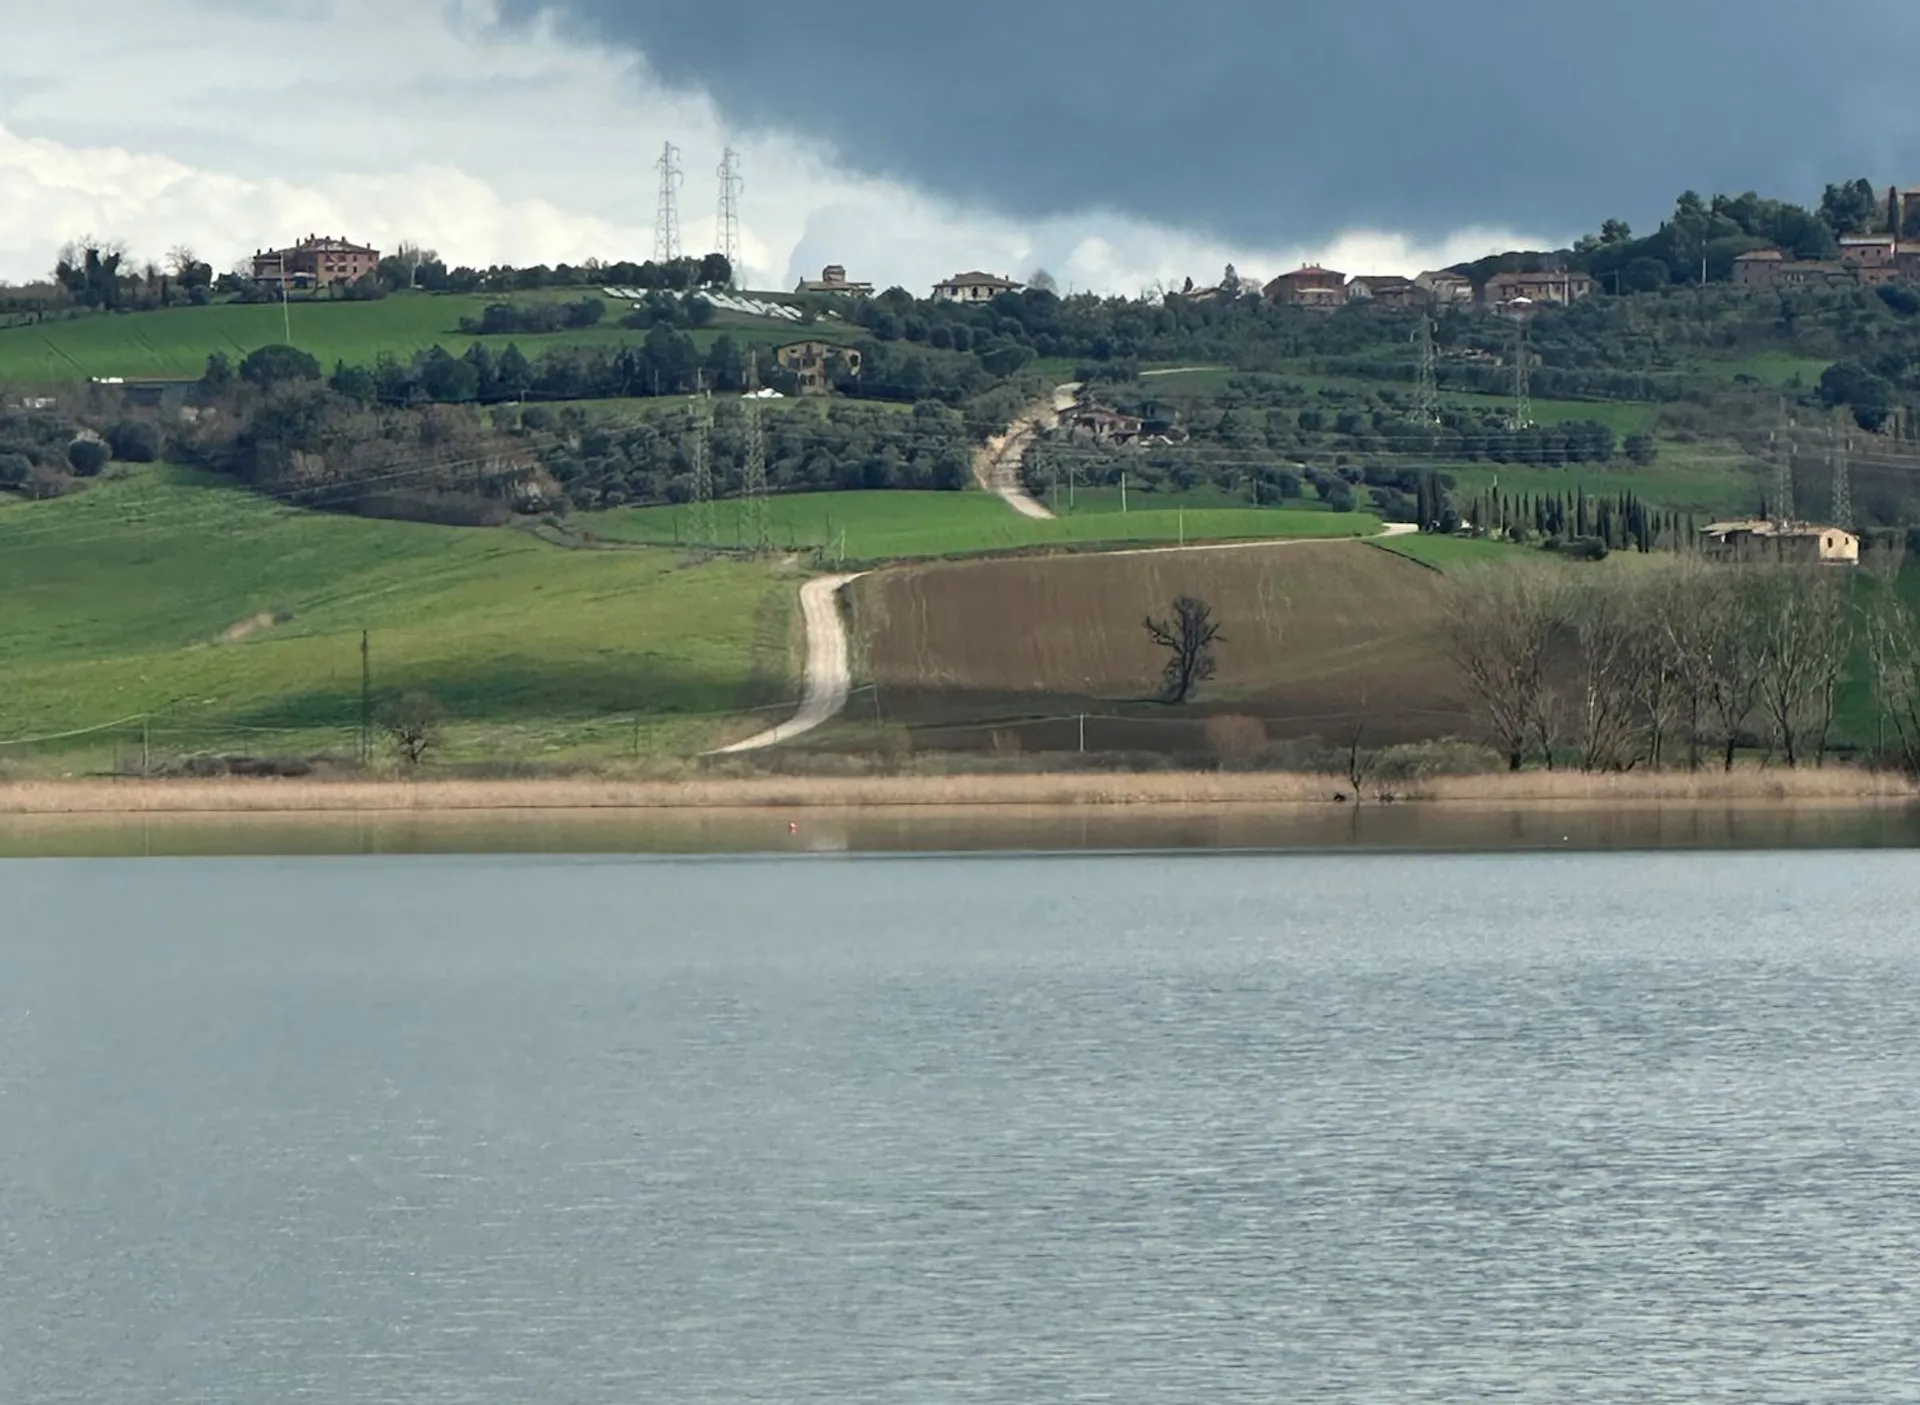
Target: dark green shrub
{"type": "Point", "coordinates": [87, 457]}
{"type": "Point", "coordinates": [134, 441]}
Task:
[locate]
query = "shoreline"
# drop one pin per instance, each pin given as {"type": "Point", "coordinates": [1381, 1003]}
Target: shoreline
{"type": "Point", "coordinates": [1144, 791]}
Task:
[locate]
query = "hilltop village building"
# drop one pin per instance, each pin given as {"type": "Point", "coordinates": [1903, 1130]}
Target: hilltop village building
{"type": "Point", "coordinates": [1445, 289]}
{"type": "Point", "coordinates": [833, 279]}
{"type": "Point", "coordinates": [1387, 291]}
{"type": "Point", "coordinates": [1559, 288]}
{"type": "Point", "coordinates": [973, 287]}
{"type": "Point", "coordinates": [1310, 286]}
{"type": "Point", "coordinates": [1325, 290]}
{"type": "Point", "coordinates": [317, 259]}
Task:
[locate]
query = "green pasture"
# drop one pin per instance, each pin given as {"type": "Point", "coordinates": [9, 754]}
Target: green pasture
{"type": "Point", "coordinates": [176, 343]}
{"type": "Point", "coordinates": [135, 597]}
{"type": "Point", "coordinates": [892, 525]}
{"type": "Point", "coordinates": [1708, 482]}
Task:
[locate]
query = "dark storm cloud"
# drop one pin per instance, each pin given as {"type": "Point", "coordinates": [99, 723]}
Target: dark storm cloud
{"type": "Point", "coordinates": [1278, 120]}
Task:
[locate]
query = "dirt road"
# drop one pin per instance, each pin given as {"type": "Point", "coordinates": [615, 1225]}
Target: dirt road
{"type": "Point", "coordinates": [829, 670]}
{"type": "Point", "coordinates": [996, 466]}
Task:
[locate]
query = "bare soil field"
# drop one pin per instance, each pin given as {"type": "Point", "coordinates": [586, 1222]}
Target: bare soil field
{"type": "Point", "coordinates": [1006, 654]}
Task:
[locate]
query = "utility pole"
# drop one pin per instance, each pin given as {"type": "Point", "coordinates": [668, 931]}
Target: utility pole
{"type": "Point", "coordinates": [366, 700]}
{"type": "Point", "coordinates": [666, 227]}
{"type": "Point", "coordinates": [1123, 492]}
{"type": "Point", "coordinates": [1426, 403]}
{"type": "Point", "coordinates": [729, 222]}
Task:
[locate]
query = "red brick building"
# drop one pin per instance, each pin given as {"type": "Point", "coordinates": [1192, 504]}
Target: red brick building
{"type": "Point", "coordinates": [317, 259]}
{"type": "Point", "coordinates": [1312, 286]}
{"type": "Point", "coordinates": [1759, 268]}
{"type": "Point", "coordinates": [1506, 288]}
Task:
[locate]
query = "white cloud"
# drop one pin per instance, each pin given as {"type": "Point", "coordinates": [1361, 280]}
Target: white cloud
{"type": "Point", "coordinates": [230, 128]}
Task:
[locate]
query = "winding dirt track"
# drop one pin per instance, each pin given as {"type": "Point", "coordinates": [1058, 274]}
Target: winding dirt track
{"type": "Point", "coordinates": [997, 465]}
{"type": "Point", "coordinates": [829, 670]}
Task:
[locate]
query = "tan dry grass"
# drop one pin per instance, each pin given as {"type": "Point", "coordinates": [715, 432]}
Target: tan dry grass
{"type": "Point", "coordinates": [1832, 786]}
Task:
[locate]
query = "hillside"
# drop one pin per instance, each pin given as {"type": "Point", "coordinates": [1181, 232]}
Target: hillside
{"type": "Point", "coordinates": [175, 343]}
{"type": "Point", "coordinates": [235, 622]}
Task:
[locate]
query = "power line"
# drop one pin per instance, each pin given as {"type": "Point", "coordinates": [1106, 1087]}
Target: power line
{"type": "Point", "coordinates": [666, 228]}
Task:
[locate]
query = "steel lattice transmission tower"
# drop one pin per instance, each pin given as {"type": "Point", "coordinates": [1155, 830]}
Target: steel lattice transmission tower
{"type": "Point", "coordinates": [759, 520]}
{"type": "Point", "coordinates": [1522, 370]}
{"type": "Point", "coordinates": [1783, 480]}
{"type": "Point", "coordinates": [728, 227]}
{"type": "Point", "coordinates": [666, 225]}
{"type": "Point", "coordinates": [700, 422]}
{"type": "Point", "coordinates": [1426, 403]}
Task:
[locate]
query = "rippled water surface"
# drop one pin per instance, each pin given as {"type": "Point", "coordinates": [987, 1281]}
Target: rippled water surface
{"type": "Point", "coordinates": [1578, 1127]}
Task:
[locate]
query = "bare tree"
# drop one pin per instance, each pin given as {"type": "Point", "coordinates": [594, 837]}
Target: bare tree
{"type": "Point", "coordinates": [1804, 638]}
{"type": "Point", "coordinates": [181, 261]}
{"type": "Point", "coordinates": [1683, 597]}
{"type": "Point", "coordinates": [412, 723]}
{"type": "Point", "coordinates": [1657, 675]}
{"type": "Point", "coordinates": [1609, 635]}
{"type": "Point", "coordinates": [1891, 632]}
{"type": "Point", "coordinates": [1188, 636]}
{"type": "Point", "coordinates": [1500, 626]}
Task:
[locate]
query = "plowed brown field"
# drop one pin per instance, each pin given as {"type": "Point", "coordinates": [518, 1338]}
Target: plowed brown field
{"type": "Point", "coordinates": [1316, 635]}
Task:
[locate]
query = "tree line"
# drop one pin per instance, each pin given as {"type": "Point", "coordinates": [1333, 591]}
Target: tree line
{"type": "Point", "coordinates": [1678, 662]}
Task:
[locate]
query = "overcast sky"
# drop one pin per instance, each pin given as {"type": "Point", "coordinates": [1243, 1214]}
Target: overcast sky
{"type": "Point", "coordinates": [1117, 144]}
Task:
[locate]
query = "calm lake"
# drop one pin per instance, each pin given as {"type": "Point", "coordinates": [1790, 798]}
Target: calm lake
{"type": "Point", "coordinates": [813, 1128]}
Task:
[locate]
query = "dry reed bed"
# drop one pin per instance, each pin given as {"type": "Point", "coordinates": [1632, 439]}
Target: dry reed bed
{"type": "Point", "coordinates": [1830, 786]}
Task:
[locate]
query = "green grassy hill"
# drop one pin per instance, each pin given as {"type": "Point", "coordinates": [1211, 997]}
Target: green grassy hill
{"type": "Point", "coordinates": [898, 525]}
{"type": "Point", "coordinates": [176, 342]}
{"type": "Point", "coordinates": [236, 622]}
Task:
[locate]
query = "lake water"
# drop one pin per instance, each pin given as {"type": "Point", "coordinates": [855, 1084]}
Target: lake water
{"type": "Point", "coordinates": [1554, 1127]}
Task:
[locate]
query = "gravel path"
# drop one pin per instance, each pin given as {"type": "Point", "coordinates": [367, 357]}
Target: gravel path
{"type": "Point", "coordinates": [829, 669]}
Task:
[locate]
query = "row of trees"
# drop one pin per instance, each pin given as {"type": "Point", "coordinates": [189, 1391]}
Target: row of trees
{"type": "Point", "coordinates": [283, 429]}
{"type": "Point", "coordinates": [1676, 662]}
{"type": "Point", "coordinates": [412, 267]}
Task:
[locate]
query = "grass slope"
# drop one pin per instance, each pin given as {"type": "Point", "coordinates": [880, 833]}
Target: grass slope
{"type": "Point", "coordinates": [1455, 553]}
{"type": "Point", "coordinates": [119, 598]}
{"type": "Point", "coordinates": [177, 342]}
{"type": "Point", "coordinates": [890, 525]}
